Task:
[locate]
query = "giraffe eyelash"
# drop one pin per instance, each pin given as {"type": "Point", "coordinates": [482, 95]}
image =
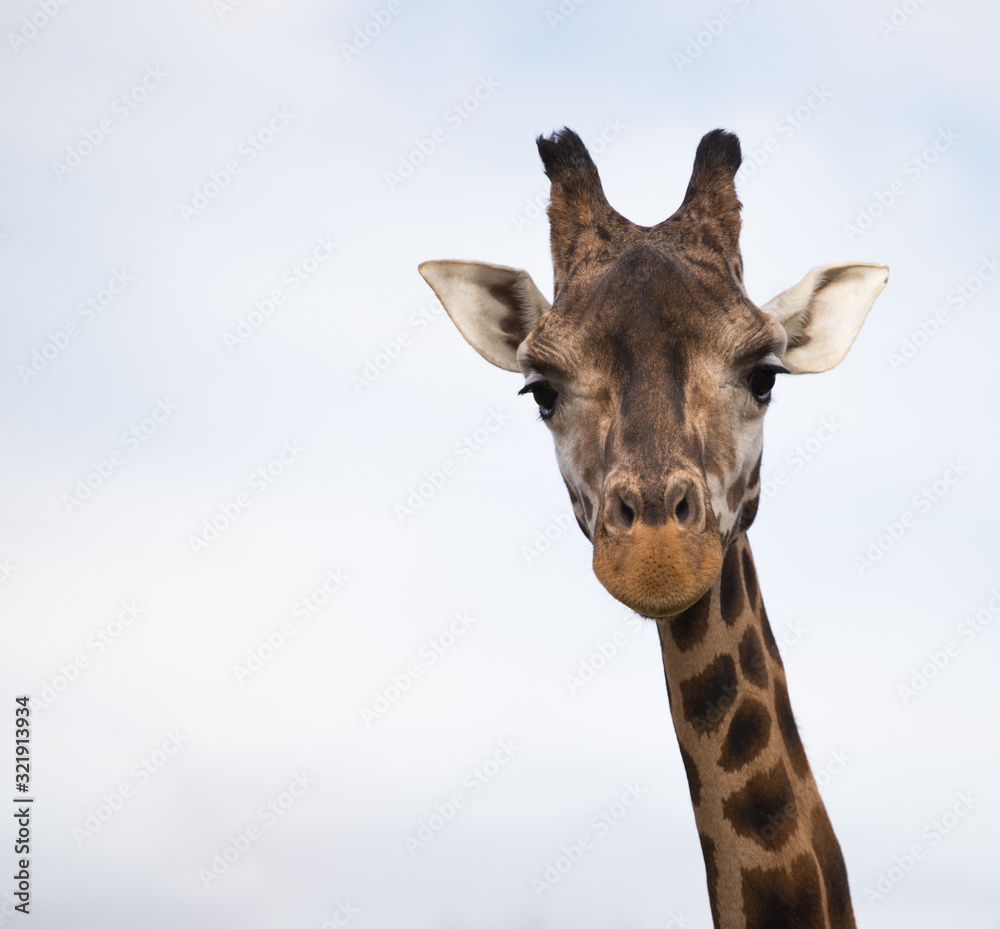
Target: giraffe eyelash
{"type": "Point", "coordinates": [760, 381]}
{"type": "Point", "coordinates": [545, 396]}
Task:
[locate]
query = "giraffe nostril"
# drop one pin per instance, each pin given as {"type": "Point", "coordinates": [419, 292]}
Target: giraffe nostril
{"type": "Point", "coordinates": [685, 503]}
{"type": "Point", "coordinates": [622, 508]}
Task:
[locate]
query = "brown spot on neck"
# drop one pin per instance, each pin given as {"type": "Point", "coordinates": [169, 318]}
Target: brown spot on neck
{"type": "Point", "coordinates": [747, 736]}
{"type": "Point", "coordinates": [689, 628]}
{"type": "Point", "coordinates": [785, 897]}
{"type": "Point", "coordinates": [764, 810]}
{"type": "Point", "coordinates": [750, 578]}
{"type": "Point", "coordinates": [732, 599]}
{"type": "Point", "coordinates": [753, 662]}
{"type": "Point", "coordinates": [789, 731]}
{"type": "Point", "coordinates": [833, 870]}
{"type": "Point", "coordinates": [708, 696]}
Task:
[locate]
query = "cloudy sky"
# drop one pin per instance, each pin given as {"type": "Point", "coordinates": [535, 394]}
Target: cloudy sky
{"type": "Point", "coordinates": [271, 691]}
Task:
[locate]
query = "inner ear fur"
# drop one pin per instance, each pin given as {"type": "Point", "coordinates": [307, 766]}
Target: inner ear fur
{"type": "Point", "coordinates": [823, 313]}
{"type": "Point", "coordinates": [493, 306]}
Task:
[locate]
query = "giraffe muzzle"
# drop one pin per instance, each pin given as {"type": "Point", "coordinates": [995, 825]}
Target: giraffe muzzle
{"type": "Point", "coordinates": [657, 553]}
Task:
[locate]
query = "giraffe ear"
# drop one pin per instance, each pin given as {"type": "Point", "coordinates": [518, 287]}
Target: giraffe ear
{"type": "Point", "coordinates": [823, 313]}
{"type": "Point", "coordinates": [494, 307]}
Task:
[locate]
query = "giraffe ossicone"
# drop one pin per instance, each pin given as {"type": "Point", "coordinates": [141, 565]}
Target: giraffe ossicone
{"type": "Point", "coordinates": [653, 369]}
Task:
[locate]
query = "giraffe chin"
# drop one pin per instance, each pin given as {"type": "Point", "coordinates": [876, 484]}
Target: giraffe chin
{"type": "Point", "coordinates": [658, 571]}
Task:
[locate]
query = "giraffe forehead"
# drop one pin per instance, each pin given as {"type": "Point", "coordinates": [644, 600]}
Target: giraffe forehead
{"type": "Point", "coordinates": [650, 318]}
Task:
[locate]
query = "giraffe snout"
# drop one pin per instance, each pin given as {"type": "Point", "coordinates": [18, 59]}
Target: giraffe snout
{"type": "Point", "coordinates": [657, 550]}
{"type": "Point", "coordinates": [681, 500]}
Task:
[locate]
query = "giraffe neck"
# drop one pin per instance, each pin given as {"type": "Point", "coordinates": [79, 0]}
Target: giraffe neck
{"type": "Point", "coordinates": [771, 856]}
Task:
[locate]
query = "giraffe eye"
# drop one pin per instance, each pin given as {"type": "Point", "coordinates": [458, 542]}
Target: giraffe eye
{"type": "Point", "coordinates": [544, 396]}
{"type": "Point", "coordinates": [761, 381]}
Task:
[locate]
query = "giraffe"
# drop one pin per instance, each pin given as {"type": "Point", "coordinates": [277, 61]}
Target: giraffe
{"type": "Point", "coordinates": [653, 369]}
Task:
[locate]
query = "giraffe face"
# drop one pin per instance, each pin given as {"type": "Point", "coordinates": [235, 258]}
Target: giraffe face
{"type": "Point", "coordinates": [652, 368]}
{"type": "Point", "coordinates": [653, 375]}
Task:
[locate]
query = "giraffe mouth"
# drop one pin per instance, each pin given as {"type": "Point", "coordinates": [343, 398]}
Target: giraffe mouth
{"type": "Point", "coordinates": [658, 571]}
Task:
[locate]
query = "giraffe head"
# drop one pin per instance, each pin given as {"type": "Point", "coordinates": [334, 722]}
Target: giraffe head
{"type": "Point", "coordinates": [652, 368]}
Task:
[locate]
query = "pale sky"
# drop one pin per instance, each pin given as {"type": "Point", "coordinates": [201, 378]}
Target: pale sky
{"type": "Point", "coordinates": [223, 379]}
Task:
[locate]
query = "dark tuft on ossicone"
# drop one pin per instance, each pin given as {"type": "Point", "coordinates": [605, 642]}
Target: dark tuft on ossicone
{"type": "Point", "coordinates": [718, 149]}
{"type": "Point", "coordinates": [563, 150]}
